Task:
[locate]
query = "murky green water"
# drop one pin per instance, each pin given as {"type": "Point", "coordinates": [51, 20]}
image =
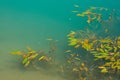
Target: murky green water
{"type": "Point", "coordinates": [30, 23]}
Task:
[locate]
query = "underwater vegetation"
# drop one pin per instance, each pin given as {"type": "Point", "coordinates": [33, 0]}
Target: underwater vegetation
{"type": "Point", "coordinates": [31, 57]}
{"type": "Point", "coordinates": [105, 51]}
{"type": "Point", "coordinates": [75, 67]}
{"type": "Point", "coordinates": [92, 13]}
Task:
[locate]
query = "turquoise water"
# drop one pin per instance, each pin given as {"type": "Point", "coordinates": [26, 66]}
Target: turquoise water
{"type": "Point", "coordinates": [30, 22]}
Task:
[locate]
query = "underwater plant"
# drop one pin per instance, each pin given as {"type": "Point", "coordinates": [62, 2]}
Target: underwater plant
{"type": "Point", "coordinates": [108, 50]}
{"type": "Point", "coordinates": [92, 13]}
{"type": "Point", "coordinates": [82, 38]}
{"type": "Point", "coordinates": [32, 57]}
{"type": "Point", "coordinates": [105, 49]}
{"type": "Point", "coordinates": [74, 67]}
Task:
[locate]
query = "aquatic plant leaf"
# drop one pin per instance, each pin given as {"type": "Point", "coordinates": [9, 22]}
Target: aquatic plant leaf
{"type": "Point", "coordinates": [75, 69]}
{"type": "Point", "coordinates": [101, 50]}
{"type": "Point", "coordinates": [68, 51]}
{"type": "Point", "coordinates": [73, 42]}
{"type": "Point", "coordinates": [32, 52]}
{"type": "Point", "coordinates": [81, 15]}
{"type": "Point", "coordinates": [99, 18]}
{"type": "Point", "coordinates": [27, 63]}
{"type": "Point", "coordinates": [17, 53]}
{"type": "Point", "coordinates": [68, 61]}
{"type": "Point", "coordinates": [115, 49]}
{"type": "Point", "coordinates": [77, 58]}
{"type": "Point", "coordinates": [89, 20]}
{"type": "Point", "coordinates": [33, 56]}
{"type": "Point", "coordinates": [104, 70]}
{"type": "Point", "coordinates": [112, 59]}
{"type": "Point", "coordinates": [101, 67]}
{"type": "Point", "coordinates": [118, 43]}
{"type": "Point", "coordinates": [72, 34]}
{"type": "Point", "coordinates": [41, 58]}
{"type": "Point", "coordinates": [77, 46]}
{"type": "Point", "coordinates": [25, 60]}
{"type": "Point", "coordinates": [82, 78]}
{"type": "Point", "coordinates": [102, 46]}
{"type": "Point", "coordinates": [108, 64]}
{"type": "Point", "coordinates": [106, 51]}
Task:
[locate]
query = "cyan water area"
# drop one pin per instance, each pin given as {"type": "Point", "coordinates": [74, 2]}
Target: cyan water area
{"type": "Point", "coordinates": [31, 22]}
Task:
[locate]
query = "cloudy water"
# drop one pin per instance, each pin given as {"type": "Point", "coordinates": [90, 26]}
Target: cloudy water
{"type": "Point", "coordinates": [34, 23]}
